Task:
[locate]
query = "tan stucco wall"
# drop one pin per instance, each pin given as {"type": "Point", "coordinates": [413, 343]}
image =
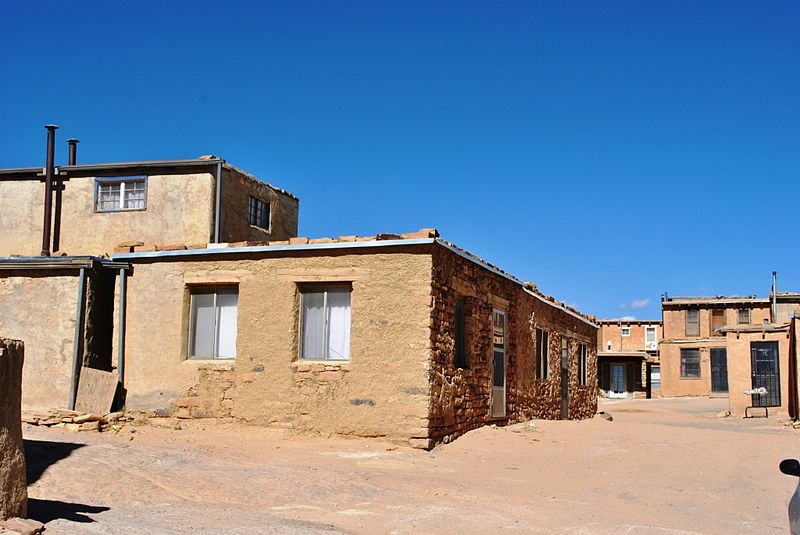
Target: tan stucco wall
{"type": "Point", "coordinates": [179, 211]}
{"type": "Point", "coordinates": [610, 332]}
{"type": "Point", "coordinates": [671, 382]}
{"type": "Point", "coordinates": [381, 391]}
{"type": "Point", "coordinates": [41, 310]}
{"type": "Point", "coordinates": [236, 190]}
{"type": "Point", "coordinates": [675, 320]}
{"type": "Point", "coordinates": [740, 369]}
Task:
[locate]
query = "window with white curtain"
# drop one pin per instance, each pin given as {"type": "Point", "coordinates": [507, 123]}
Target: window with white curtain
{"type": "Point", "coordinates": [114, 194]}
{"type": "Point", "coordinates": [325, 321]}
{"type": "Point", "coordinates": [212, 322]}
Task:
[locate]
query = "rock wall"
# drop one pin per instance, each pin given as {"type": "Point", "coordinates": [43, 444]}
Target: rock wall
{"type": "Point", "coordinates": [461, 396]}
{"type": "Point", "coordinates": [13, 487]}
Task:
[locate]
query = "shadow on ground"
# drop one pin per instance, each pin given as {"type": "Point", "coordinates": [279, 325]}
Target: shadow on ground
{"type": "Point", "coordinates": [39, 456]}
{"type": "Point", "coordinates": [46, 510]}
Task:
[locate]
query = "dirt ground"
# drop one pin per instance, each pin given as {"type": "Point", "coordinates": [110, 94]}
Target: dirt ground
{"type": "Point", "coordinates": [661, 466]}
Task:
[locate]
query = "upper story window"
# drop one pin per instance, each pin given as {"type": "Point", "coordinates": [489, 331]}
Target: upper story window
{"type": "Point", "coordinates": [625, 331]}
{"type": "Point", "coordinates": [717, 321]}
{"type": "Point", "coordinates": [744, 316]}
{"type": "Point", "coordinates": [258, 213]}
{"type": "Point", "coordinates": [114, 194]}
{"type": "Point", "coordinates": [692, 322]}
{"type": "Point", "coordinates": [650, 340]}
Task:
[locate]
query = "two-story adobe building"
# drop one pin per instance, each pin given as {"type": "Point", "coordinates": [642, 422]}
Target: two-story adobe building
{"type": "Point", "coordinates": [627, 358]}
{"type": "Point", "coordinates": [186, 279]}
{"type": "Point", "coordinates": [731, 346]}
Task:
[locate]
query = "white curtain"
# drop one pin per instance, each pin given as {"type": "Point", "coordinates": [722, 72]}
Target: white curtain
{"type": "Point", "coordinates": [313, 326]}
{"type": "Point", "coordinates": [202, 325]}
{"type": "Point", "coordinates": [339, 325]}
{"type": "Point", "coordinates": [227, 305]}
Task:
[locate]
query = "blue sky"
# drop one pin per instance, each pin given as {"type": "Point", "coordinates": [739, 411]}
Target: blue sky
{"type": "Point", "coordinates": [608, 151]}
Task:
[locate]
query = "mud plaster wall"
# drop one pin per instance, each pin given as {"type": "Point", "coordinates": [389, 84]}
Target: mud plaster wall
{"type": "Point", "coordinates": [381, 391]}
{"type": "Point", "coordinates": [461, 398]}
{"type": "Point", "coordinates": [740, 369]}
{"type": "Point", "coordinates": [13, 487]}
{"type": "Point", "coordinates": [234, 226]}
{"type": "Point", "coordinates": [39, 307]}
{"type": "Point", "coordinates": [178, 212]}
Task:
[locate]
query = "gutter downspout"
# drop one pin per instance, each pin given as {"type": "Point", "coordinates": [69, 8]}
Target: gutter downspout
{"type": "Point", "coordinates": [77, 345]}
{"type": "Point", "coordinates": [217, 202]}
{"type": "Point", "coordinates": [774, 297]}
{"type": "Point", "coordinates": [123, 289]}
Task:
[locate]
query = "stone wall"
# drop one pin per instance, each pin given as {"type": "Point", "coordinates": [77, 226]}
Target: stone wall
{"type": "Point", "coordinates": [461, 397]}
{"type": "Point", "coordinates": [13, 486]}
{"type": "Point", "coordinates": [237, 187]}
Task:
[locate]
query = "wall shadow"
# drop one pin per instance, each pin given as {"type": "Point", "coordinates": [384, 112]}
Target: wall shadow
{"type": "Point", "coordinates": [46, 510]}
{"type": "Point", "coordinates": [41, 454]}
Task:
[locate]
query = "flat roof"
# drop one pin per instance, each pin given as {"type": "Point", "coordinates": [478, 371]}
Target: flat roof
{"type": "Point", "coordinates": [352, 243]}
{"type": "Point", "coordinates": [628, 322]}
{"type": "Point", "coordinates": [59, 262]}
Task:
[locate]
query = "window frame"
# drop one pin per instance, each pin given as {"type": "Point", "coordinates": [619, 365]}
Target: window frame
{"type": "Point", "coordinates": [307, 288]}
{"type": "Point", "coordinates": [583, 363]}
{"type": "Point", "coordinates": [739, 312]}
{"type": "Point", "coordinates": [215, 291]}
{"type": "Point", "coordinates": [622, 331]}
{"type": "Point", "coordinates": [121, 180]}
{"type": "Point", "coordinates": [718, 312]}
{"type": "Point", "coordinates": [253, 200]}
{"type": "Point", "coordinates": [460, 339]}
{"type": "Point", "coordinates": [542, 354]}
{"type": "Point", "coordinates": [696, 322]}
{"type": "Point", "coordinates": [683, 355]}
{"type": "Point", "coordinates": [654, 330]}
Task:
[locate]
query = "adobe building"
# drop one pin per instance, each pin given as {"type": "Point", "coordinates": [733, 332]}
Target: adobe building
{"type": "Point", "coordinates": [231, 315]}
{"type": "Point", "coordinates": [731, 346]}
{"type": "Point", "coordinates": [99, 206]}
{"type": "Point", "coordinates": [627, 358]}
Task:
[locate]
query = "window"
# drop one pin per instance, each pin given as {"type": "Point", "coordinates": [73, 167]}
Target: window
{"type": "Point", "coordinates": [258, 213]}
{"type": "Point", "coordinates": [744, 316]}
{"type": "Point", "coordinates": [461, 358]}
{"type": "Point", "coordinates": [212, 323]}
{"type": "Point", "coordinates": [692, 322]}
{"type": "Point", "coordinates": [650, 342]}
{"type": "Point", "coordinates": [625, 331]}
{"type": "Point", "coordinates": [582, 375]}
{"type": "Point", "coordinates": [542, 349]}
{"type": "Point", "coordinates": [117, 194]}
{"type": "Point", "coordinates": [717, 321]}
{"type": "Point", "coordinates": [690, 363]}
{"type": "Point", "coordinates": [325, 322]}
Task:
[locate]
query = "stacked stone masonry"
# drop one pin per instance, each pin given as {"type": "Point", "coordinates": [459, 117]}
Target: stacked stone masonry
{"type": "Point", "coordinates": [13, 487]}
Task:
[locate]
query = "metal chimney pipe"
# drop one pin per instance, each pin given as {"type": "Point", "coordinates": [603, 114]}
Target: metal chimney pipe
{"type": "Point", "coordinates": [774, 297]}
{"type": "Point", "coordinates": [49, 171]}
{"type": "Point", "coordinates": [73, 151]}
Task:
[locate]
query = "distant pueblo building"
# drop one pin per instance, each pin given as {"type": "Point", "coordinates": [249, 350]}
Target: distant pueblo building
{"type": "Point", "coordinates": [187, 279]}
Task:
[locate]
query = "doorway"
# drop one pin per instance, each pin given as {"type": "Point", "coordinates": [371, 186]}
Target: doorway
{"type": "Point", "coordinates": [719, 370]}
{"type": "Point", "coordinates": [564, 378]}
{"type": "Point", "coordinates": [765, 373]}
{"type": "Point", "coordinates": [498, 364]}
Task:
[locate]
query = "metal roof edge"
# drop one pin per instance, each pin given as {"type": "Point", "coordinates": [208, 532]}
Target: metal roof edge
{"type": "Point", "coordinates": [270, 248]}
{"type": "Point", "coordinates": [512, 278]}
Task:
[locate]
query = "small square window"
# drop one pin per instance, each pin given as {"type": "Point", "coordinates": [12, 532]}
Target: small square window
{"type": "Point", "coordinates": [258, 213]}
{"type": "Point", "coordinates": [212, 322]}
{"type": "Point", "coordinates": [744, 316]}
{"type": "Point", "coordinates": [325, 321]}
{"type": "Point", "coordinates": [115, 194]}
{"type": "Point", "coordinates": [625, 331]}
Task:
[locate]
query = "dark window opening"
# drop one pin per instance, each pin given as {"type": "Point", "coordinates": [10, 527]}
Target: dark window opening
{"type": "Point", "coordinates": [690, 363]}
{"type": "Point", "coordinates": [258, 213]}
{"type": "Point", "coordinates": [542, 349]}
{"type": "Point", "coordinates": [461, 353]}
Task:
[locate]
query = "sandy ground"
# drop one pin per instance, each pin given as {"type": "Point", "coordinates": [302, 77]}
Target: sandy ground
{"type": "Point", "coordinates": [662, 466]}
